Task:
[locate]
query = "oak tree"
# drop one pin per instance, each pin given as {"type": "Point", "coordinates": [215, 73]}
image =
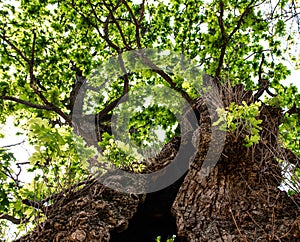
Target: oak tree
{"type": "Point", "coordinates": [67, 69]}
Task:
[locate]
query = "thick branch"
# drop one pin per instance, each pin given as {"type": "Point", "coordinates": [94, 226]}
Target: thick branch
{"type": "Point", "coordinates": [78, 91]}
{"type": "Point", "coordinates": [10, 218]}
{"type": "Point", "coordinates": [221, 22]}
{"type": "Point", "coordinates": [125, 76]}
{"type": "Point", "coordinates": [167, 78]}
{"type": "Point", "coordinates": [263, 83]}
{"type": "Point", "coordinates": [101, 115]}
{"type": "Point", "coordinates": [294, 110]}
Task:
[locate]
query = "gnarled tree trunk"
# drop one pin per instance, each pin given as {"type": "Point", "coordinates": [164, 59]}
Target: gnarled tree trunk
{"type": "Point", "coordinates": [237, 200]}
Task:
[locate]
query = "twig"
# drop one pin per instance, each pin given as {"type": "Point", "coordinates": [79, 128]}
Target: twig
{"type": "Point", "coordinates": [239, 231]}
{"type": "Point", "coordinates": [26, 103]}
{"type": "Point", "coordinates": [13, 46]}
{"type": "Point", "coordinates": [117, 24]}
{"type": "Point", "coordinates": [136, 23]}
{"type": "Point", "coordinates": [8, 146]}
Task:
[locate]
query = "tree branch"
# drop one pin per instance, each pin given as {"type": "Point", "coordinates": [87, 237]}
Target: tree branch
{"type": "Point", "coordinates": [102, 114]}
{"type": "Point", "coordinates": [294, 110]}
{"type": "Point", "coordinates": [166, 77]}
{"type": "Point", "coordinates": [125, 76]}
{"type": "Point", "coordinates": [16, 144]}
{"type": "Point", "coordinates": [118, 25]}
{"type": "Point", "coordinates": [7, 173]}
{"type": "Point", "coordinates": [263, 83]}
{"type": "Point", "coordinates": [14, 47]}
{"type": "Point", "coordinates": [34, 204]}
{"type": "Point", "coordinates": [226, 39]}
{"type": "Point", "coordinates": [289, 156]}
{"type": "Point", "coordinates": [26, 103]}
{"type": "Point", "coordinates": [38, 92]}
{"type": "Point", "coordinates": [12, 56]}
{"type": "Point", "coordinates": [106, 33]}
{"type": "Point", "coordinates": [142, 11]}
{"type": "Point", "coordinates": [10, 218]}
{"type": "Point", "coordinates": [136, 23]}
{"type": "Point", "coordinates": [240, 21]}
{"type": "Point", "coordinates": [49, 106]}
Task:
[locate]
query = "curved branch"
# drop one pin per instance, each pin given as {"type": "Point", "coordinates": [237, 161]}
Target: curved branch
{"type": "Point", "coordinates": [226, 39]}
{"type": "Point", "coordinates": [136, 23]}
{"type": "Point", "coordinates": [12, 145]}
{"type": "Point", "coordinates": [167, 78]}
{"type": "Point", "coordinates": [111, 12]}
{"type": "Point", "coordinates": [101, 115]}
{"type": "Point", "coordinates": [10, 218]}
{"type": "Point", "coordinates": [241, 19]}
{"type": "Point", "coordinates": [26, 103]}
{"type": "Point", "coordinates": [14, 47]}
{"type": "Point", "coordinates": [49, 107]}
{"type": "Point", "coordinates": [263, 83]}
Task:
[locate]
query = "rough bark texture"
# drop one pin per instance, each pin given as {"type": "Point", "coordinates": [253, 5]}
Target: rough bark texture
{"type": "Point", "coordinates": [237, 200]}
{"type": "Point", "coordinates": [88, 214]}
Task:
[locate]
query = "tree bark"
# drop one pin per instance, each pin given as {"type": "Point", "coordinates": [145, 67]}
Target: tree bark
{"type": "Point", "coordinates": [88, 214]}
{"type": "Point", "coordinates": [237, 200]}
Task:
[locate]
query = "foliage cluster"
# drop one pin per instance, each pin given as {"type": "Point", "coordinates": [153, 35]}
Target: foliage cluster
{"type": "Point", "coordinates": [242, 121]}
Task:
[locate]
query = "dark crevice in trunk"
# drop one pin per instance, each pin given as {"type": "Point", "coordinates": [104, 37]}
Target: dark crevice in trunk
{"type": "Point", "coordinates": [153, 218]}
